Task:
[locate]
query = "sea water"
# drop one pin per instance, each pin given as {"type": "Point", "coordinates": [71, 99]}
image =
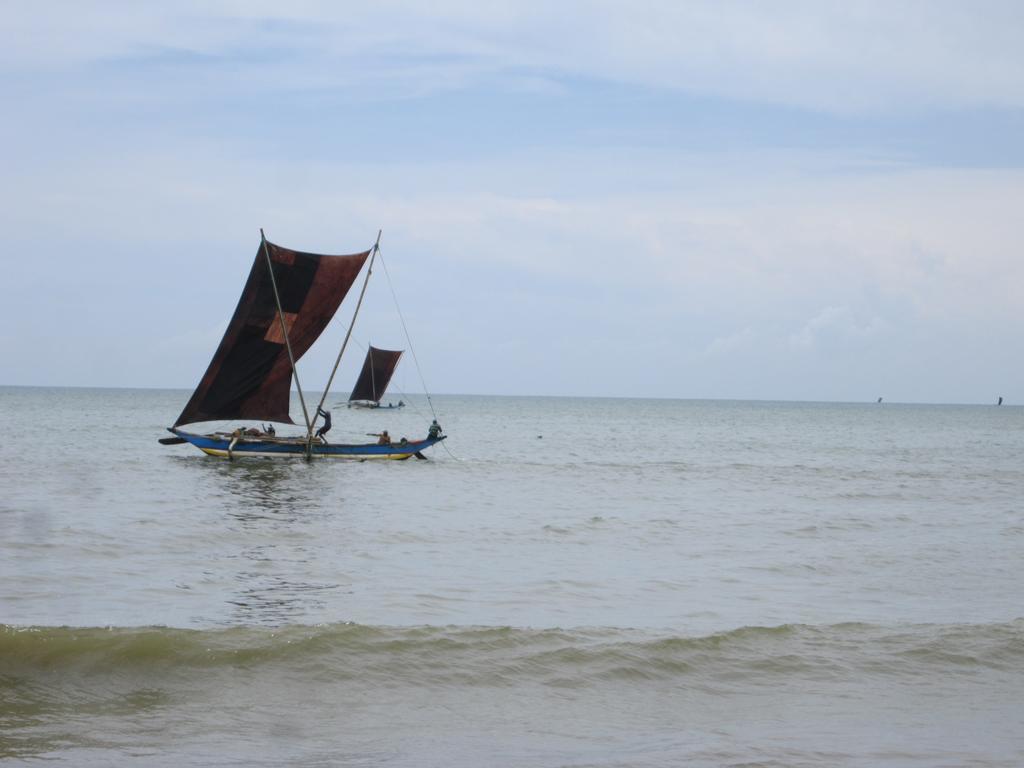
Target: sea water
{"type": "Point", "coordinates": [565, 582]}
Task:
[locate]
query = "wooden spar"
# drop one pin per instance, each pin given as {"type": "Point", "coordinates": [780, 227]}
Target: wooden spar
{"type": "Point", "coordinates": [284, 332]}
{"type": "Point", "coordinates": [366, 281]}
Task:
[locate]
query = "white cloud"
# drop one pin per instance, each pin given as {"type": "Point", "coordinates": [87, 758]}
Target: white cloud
{"type": "Point", "coordinates": [735, 233]}
{"type": "Point", "coordinates": [833, 320]}
{"type": "Point", "coordinates": [839, 57]}
{"type": "Point", "coordinates": [729, 344]}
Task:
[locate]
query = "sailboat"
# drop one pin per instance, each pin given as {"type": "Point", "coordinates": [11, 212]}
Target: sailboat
{"type": "Point", "coordinates": [378, 368]}
{"type": "Point", "coordinates": [287, 302]}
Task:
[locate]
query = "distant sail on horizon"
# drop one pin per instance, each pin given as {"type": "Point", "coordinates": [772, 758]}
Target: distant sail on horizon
{"type": "Point", "coordinates": [378, 368]}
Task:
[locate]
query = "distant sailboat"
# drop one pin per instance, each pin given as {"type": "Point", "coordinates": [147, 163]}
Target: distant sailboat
{"type": "Point", "coordinates": [1000, 400]}
{"type": "Point", "coordinates": [378, 368]}
{"type": "Point", "coordinates": [879, 399]}
{"type": "Point", "coordinates": [287, 302]}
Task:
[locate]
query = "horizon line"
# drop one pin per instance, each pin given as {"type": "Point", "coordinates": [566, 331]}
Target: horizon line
{"type": "Point", "coordinates": [873, 401]}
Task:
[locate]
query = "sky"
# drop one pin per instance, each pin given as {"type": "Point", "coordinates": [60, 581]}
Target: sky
{"type": "Point", "coordinates": [778, 201]}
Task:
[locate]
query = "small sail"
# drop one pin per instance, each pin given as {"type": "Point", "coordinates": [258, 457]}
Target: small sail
{"type": "Point", "coordinates": [378, 368]}
{"type": "Point", "coordinates": [250, 376]}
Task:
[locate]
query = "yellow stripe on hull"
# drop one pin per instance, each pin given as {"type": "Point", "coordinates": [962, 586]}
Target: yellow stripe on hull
{"type": "Point", "coordinates": [351, 457]}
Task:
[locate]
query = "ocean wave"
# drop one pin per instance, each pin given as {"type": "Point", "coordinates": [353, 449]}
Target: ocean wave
{"type": "Point", "coordinates": [505, 656]}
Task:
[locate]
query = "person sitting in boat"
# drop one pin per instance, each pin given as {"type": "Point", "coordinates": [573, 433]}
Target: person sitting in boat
{"type": "Point", "coordinates": [269, 429]}
{"type": "Point", "coordinates": [435, 430]}
{"type": "Point", "coordinates": [327, 423]}
{"type": "Point", "coordinates": [384, 438]}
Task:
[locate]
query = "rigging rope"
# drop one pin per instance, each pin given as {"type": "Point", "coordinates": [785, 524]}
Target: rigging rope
{"type": "Point", "coordinates": [408, 339]}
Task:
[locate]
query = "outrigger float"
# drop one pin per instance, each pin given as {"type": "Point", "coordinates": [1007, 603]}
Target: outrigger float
{"type": "Point", "coordinates": [287, 302]}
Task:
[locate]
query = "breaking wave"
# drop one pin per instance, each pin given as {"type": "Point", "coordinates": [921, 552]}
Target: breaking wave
{"type": "Point", "coordinates": [498, 656]}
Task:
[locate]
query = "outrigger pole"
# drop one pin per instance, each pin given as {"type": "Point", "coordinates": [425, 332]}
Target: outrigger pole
{"type": "Point", "coordinates": [284, 332]}
{"type": "Point", "coordinates": [366, 281]}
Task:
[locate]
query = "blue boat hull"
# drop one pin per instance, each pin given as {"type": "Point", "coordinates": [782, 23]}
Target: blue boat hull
{"type": "Point", "coordinates": [230, 447]}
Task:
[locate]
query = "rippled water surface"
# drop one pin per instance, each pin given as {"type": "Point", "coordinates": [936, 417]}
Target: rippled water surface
{"type": "Point", "coordinates": [564, 582]}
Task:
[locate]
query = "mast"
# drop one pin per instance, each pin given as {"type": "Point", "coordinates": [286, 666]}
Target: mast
{"type": "Point", "coordinates": [284, 332]}
{"type": "Point", "coordinates": [348, 334]}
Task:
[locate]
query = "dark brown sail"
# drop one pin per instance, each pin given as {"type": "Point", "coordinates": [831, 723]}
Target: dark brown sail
{"type": "Point", "coordinates": [376, 374]}
{"type": "Point", "coordinates": [250, 375]}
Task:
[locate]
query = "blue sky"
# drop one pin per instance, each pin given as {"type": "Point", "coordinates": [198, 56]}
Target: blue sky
{"type": "Point", "coordinates": [797, 200]}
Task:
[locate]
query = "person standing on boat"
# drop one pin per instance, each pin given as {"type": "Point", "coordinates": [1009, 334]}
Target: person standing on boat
{"type": "Point", "coordinates": [327, 423]}
{"type": "Point", "coordinates": [435, 430]}
{"type": "Point", "coordinates": [384, 438]}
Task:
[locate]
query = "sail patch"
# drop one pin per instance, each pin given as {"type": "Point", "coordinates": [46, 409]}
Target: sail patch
{"type": "Point", "coordinates": [274, 333]}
